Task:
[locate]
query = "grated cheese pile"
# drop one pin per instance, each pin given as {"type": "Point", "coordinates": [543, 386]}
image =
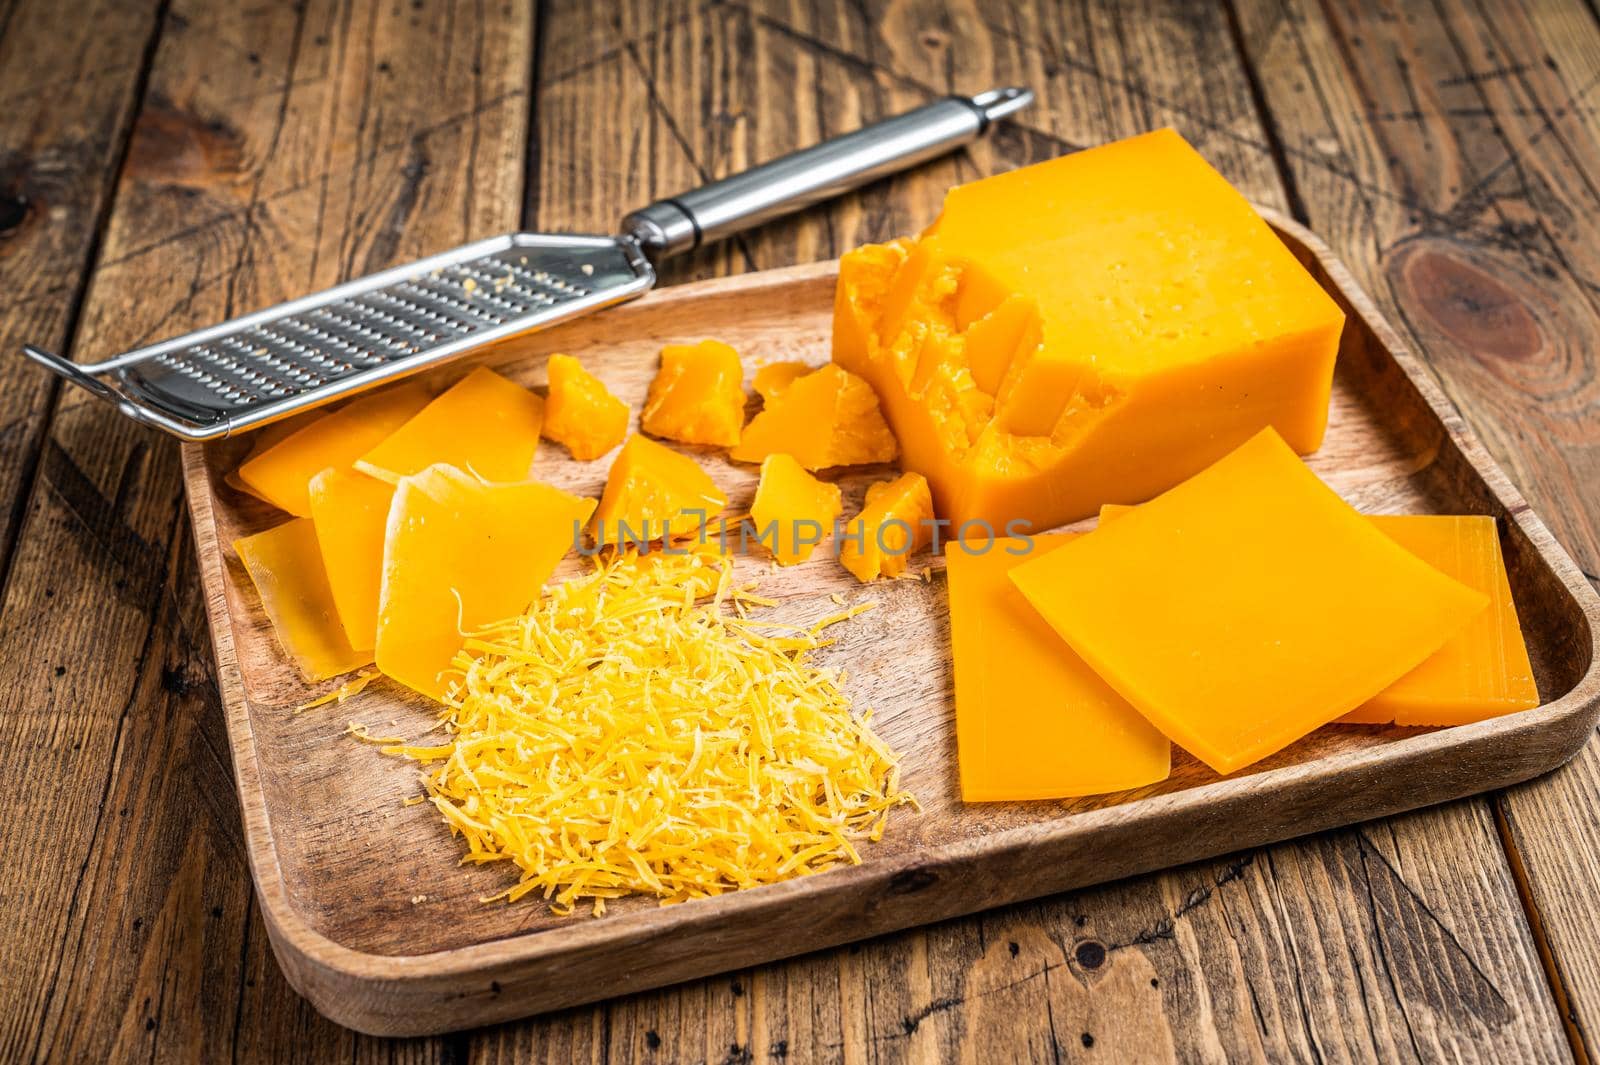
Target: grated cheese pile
{"type": "Point", "coordinates": [638, 731]}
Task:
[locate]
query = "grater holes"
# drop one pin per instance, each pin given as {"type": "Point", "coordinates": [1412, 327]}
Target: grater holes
{"type": "Point", "coordinates": [493, 288]}
{"type": "Point", "coordinates": [255, 361]}
{"type": "Point", "coordinates": [356, 319]}
{"type": "Point", "coordinates": [396, 313]}
{"type": "Point", "coordinates": [443, 299]}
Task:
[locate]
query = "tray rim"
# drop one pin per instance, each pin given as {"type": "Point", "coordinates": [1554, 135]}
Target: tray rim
{"type": "Point", "coordinates": [336, 978]}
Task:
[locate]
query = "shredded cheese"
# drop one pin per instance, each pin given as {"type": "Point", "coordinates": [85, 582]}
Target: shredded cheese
{"type": "Point", "coordinates": [351, 687]}
{"type": "Point", "coordinates": [633, 733]}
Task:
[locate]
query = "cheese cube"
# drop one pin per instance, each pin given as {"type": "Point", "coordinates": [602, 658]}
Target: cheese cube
{"type": "Point", "coordinates": [828, 417]}
{"type": "Point", "coordinates": [792, 510]}
{"type": "Point", "coordinates": [697, 396]}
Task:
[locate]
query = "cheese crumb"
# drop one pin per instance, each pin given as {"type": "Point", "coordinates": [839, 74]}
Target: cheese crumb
{"type": "Point", "coordinates": [633, 734]}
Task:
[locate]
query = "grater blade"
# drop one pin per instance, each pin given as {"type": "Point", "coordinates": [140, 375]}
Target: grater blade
{"type": "Point", "coordinates": [268, 365]}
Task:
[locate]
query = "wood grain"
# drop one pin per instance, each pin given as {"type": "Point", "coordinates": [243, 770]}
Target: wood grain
{"type": "Point", "coordinates": [276, 148]}
{"type": "Point", "coordinates": [1452, 154]}
{"type": "Point", "coordinates": [139, 946]}
{"type": "Point", "coordinates": [69, 80]}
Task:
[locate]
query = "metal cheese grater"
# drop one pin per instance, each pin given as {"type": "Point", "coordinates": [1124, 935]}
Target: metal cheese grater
{"type": "Point", "coordinates": [264, 366]}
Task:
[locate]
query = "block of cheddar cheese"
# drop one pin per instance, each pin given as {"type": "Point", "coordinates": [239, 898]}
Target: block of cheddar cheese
{"type": "Point", "coordinates": [1086, 330]}
{"type": "Point", "coordinates": [1032, 720]}
{"type": "Point", "coordinates": [1247, 606]}
{"type": "Point", "coordinates": [285, 565]}
{"type": "Point", "coordinates": [483, 423]}
{"type": "Point", "coordinates": [282, 473]}
{"type": "Point", "coordinates": [460, 553]}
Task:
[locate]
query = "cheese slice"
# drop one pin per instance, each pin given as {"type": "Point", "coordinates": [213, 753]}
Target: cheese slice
{"type": "Point", "coordinates": [285, 565]}
{"type": "Point", "coordinates": [1033, 721]}
{"type": "Point", "coordinates": [1483, 671]}
{"type": "Point", "coordinates": [1247, 606]}
{"type": "Point", "coordinates": [1089, 329]}
{"type": "Point", "coordinates": [792, 510]}
{"type": "Point", "coordinates": [266, 437]}
{"type": "Point", "coordinates": [282, 474]}
{"type": "Point", "coordinates": [459, 554]}
{"type": "Point", "coordinates": [483, 423]}
{"type": "Point", "coordinates": [351, 512]}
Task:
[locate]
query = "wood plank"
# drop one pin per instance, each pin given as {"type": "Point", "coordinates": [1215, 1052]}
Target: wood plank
{"type": "Point", "coordinates": [1451, 155]}
{"type": "Point", "coordinates": [69, 79]}
{"type": "Point", "coordinates": [1287, 952]}
{"type": "Point", "coordinates": [278, 148]}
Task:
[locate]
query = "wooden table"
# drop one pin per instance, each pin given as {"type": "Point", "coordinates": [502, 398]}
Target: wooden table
{"type": "Point", "coordinates": [168, 164]}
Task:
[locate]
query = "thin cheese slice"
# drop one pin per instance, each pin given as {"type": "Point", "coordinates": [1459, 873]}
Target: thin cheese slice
{"type": "Point", "coordinates": [1247, 606]}
{"type": "Point", "coordinates": [285, 565]}
{"type": "Point", "coordinates": [1032, 720]}
{"type": "Point", "coordinates": [282, 474]}
{"type": "Point", "coordinates": [266, 437]}
{"type": "Point", "coordinates": [351, 512]}
{"type": "Point", "coordinates": [1483, 671]}
{"type": "Point", "coordinates": [483, 423]}
{"type": "Point", "coordinates": [459, 554]}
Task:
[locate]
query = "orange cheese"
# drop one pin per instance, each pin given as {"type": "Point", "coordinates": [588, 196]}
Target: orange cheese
{"type": "Point", "coordinates": [458, 554]}
{"type": "Point", "coordinates": [774, 377]}
{"type": "Point", "coordinates": [1483, 670]}
{"type": "Point", "coordinates": [351, 511]}
{"type": "Point", "coordinates": [282, 473]}
{"type": "Point", "coordinates": [1090, 329]}
{"type": "Point", "coordinates": [896, 522]}
{"type": "Point", "coordinates": [652, 492]}
{"type": "Point", "coordinates": [269, 436]}
{"type": "Point", "coordinates": [1032, 720]}
{"type": "Point", "coordinates": [1247, 606]}
{"type": "Point", "coordinates": [285, 565]}
{"type": "Point", "coordinates": [697, 396]}
{"type": "Point", "coordinates": [580, 412]}
{"type": "Point", "coordinates": [828, 417]}
{"type": "Point", "coordinates": [792, 510]}
{"type": "Point", "coordinates": [483, 423]}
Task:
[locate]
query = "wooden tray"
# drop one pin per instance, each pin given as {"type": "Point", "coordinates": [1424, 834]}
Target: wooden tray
{"type": "Point", "coordinates": [374, 921]}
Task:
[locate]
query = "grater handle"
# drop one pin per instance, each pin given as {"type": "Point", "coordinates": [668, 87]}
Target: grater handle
{"type": "Point", "coordinates": [800, 179]}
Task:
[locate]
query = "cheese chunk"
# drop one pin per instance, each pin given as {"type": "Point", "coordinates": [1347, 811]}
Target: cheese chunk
{"type": "Point", "coordinates": [1247, 606]}
{"type": "Point", "coordinates": [483, 423]}
{"type": "Point", "coordinates": [1086, 330]}
{"type": "Point", "coordinates": [282, 473]}
{"type": "Point", "coordinates": [896, 522]}
{"type": "Point", "coordinates": [697, 396]}
{"type": "Point", "coordinates": [460, 554]}
{"type": "Point", "coordinates": [1032, 720]}
{"type": "Point", "coordinates": [580, 412]}
{"type": "Point", "coordinates": [652, 492]}
{"type": "Point", "coordinates": [351, 512]}
{"type": "Point", "coordinates": [792, 510]}
{"type": "Point", "coordinates": [285, 565]}
{"type": "Point", "coordinates": [1482, 671]}
{"type": "Point", "coordinates": [827, 418]}
{"type": "Point", "coordinates": [774, 377]}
